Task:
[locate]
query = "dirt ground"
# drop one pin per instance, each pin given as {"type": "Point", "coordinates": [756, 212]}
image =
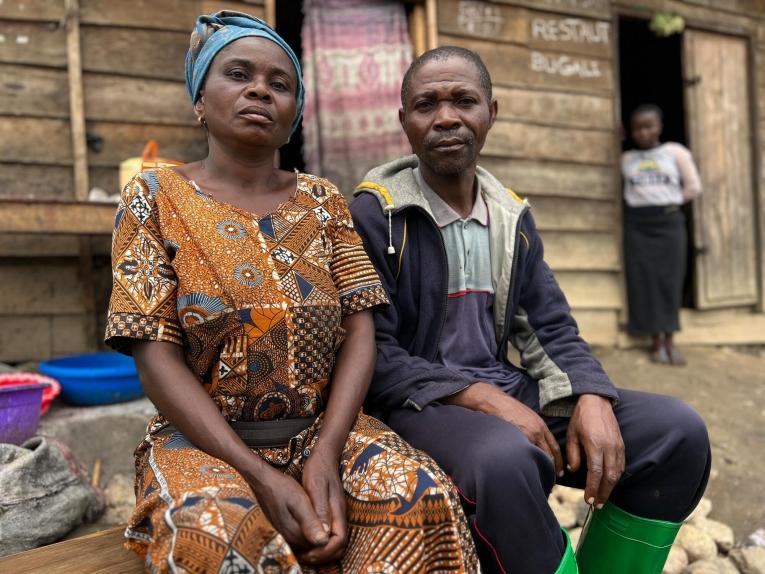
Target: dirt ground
{"type": "Point", "coordinates": [727, 387]}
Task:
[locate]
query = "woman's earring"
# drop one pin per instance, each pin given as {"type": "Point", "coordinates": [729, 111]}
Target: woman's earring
{"type": "Point", "coordinates": [201, 120]}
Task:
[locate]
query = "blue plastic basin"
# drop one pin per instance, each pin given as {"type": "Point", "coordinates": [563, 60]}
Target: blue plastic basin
{"type": "Point", "coordinates": [95, 378]}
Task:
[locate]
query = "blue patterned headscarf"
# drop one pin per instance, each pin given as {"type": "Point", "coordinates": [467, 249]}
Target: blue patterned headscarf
{"type": "Point", "coordinates": [213, 32]}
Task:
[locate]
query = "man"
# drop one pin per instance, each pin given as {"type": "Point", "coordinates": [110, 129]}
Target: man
{"type": "Point", "coordinates": [463, 264]}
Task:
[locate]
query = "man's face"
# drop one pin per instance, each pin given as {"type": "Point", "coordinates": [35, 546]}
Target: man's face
{"type": "Point", "coordinates": [447, 115]}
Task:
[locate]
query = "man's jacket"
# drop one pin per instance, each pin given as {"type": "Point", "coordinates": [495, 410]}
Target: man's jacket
{"type": "Point", "coordinates": [530, 311]}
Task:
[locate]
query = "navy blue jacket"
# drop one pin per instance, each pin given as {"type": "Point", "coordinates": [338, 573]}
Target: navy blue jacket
{"type": "Point", "coordinates": [530, 311]}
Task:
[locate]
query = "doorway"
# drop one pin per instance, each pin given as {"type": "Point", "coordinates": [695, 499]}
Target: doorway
{"type": "Point", "coordinates": [651, 72]}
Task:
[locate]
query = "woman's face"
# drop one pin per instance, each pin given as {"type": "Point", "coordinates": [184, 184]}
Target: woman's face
{"type": "Point", "coordinates": [249, 94]}
{"type": "Point", "coordinates": [646, 129]}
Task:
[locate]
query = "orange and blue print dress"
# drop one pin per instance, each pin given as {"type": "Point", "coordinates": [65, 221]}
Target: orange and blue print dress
{"type": "Point", "coordinates": [256, 302]}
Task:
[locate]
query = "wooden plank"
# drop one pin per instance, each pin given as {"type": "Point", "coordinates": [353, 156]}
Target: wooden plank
{"type": "Point", "coordinates": [745, 7]}
{"type": "Point", "coordinates": [37, 245]}
{"type": "Point", "coordinates": [121, 141]}
{"type": "Point", "coordinates": [24, 338]}
{"type": "Point", "coordinates": [531, 141]}
{"type": "Point", "coordinates": [40, 287]}
{"type": "Point", "coordinates": [531, 177]}
{"type": "Point", "coordinates": [37, 10]}
{"type": "Point", "coordinates": [531, 28]}
{"type": "Point", "coordinates": [566, 214]}
{"type": "Point", "coordinates": [51, 217]}
{"type": "Point", "coordinates": [581, 251]}
{"type": "Point", "coordinates": [695, 16]}
{"type": "Point", "coordinates": [98, 553]}
{"type": "Point", "coordinates": [47, 141]}
{"type": "Point", "coordinates": [35, 140]}
{"type": "Point", "coordinates": [76, 102]}
{"type": "Point", "coordinates": [594, 8]}
{"type": "Point", "coordinates": [74, 334]}
{"type": "Point", "coordinates": [166, 15]}
{"type": "Point", "coordinates": [33, 92]}
{"type": "Point", "coordinates": [721, 327]}
{"type": "Point", "coordinates": [598, 327]}
{"type": "Point", "coordinates": [35, 181]}
{"type": "Point", "coordinates": [518, 66]}
{"type": "Point", "coordinates": [591, 290]}
{"type": "Point", "coordinates": [554, 108]}
{"type": "Point", "coordinates": [136, 100]}
{"type": "Point", "coordinates": [32, 43]}
{"type": "Point", "coordinates": [136, 53]}
{"type": "Point", "coordinates": [720, 129]}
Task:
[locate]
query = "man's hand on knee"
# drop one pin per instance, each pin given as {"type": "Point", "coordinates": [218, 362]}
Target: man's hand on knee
{"type": "Point", "coordinates": [489, 399]}
{"type": "Point", "coordinates": [594, 429]}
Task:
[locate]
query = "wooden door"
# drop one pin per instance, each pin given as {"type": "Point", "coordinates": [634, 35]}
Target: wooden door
{"type": "Point", "coordinates": [719, 120]}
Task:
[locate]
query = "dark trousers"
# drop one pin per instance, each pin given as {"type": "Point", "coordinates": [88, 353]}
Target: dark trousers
{"type": "Point", "coordinates": [504, 480]}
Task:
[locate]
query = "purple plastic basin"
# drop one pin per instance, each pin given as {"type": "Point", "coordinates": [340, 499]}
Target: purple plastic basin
{"type": "Point", "coordinates": [19, 412]}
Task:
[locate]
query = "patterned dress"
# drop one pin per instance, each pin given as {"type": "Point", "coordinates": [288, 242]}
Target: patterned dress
{"type": "Point", "coordinates": [257, 302]}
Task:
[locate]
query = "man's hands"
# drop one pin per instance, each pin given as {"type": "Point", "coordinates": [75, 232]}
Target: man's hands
{"type": "Point", "coordinates": [593, 427]}
{"type": "Point", "coordinates": [491, 400]}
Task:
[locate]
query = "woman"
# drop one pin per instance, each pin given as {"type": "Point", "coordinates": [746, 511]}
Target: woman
{"type": "Point", "coordinates": [245, 296]}
{"type": "Point", "coordinates": [658, 179]}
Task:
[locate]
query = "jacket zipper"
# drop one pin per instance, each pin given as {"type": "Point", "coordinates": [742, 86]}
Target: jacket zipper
{"type": "Point", "coordinates": [502, 349]}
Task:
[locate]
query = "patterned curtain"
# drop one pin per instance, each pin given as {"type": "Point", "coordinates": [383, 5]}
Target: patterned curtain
{"type": "Point", "coordinates": [355, 53]}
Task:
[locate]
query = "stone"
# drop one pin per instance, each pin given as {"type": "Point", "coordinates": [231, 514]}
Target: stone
{"type": "Point", "coordinates": [697, 544]}
{"type": "Point", "coordinates": [120, 500]}
{"type": "Point", "coordinates": [565, 513]}
{"type": "Point", "coordinates": [566, 494]}
{"type": "Point", "coordinates": [749, 560]}
{"type": "Point", "coordinates": [676, 562]}
{"type": "Point", "coordinates": [707, 566]}
{"type": "Point", "coordinates": [717, 565]}
{"type": "Point", "coordinates": [721, 533]}
{"type": "Point", "coordinates": [109, 433]}
{"type": "Point", "coordinates": [702, 510]}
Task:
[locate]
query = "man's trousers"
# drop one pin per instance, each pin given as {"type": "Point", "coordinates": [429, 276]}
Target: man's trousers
{"type": "Point", "coordinates": [504, 480]}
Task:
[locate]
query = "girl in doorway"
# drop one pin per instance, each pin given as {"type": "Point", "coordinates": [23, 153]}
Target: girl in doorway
{"type": "Point", "coordinates": [658, 179]}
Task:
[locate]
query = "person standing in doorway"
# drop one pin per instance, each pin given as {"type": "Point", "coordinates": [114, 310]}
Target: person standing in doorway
{"type": "Point", "coordinates": [658, 179]}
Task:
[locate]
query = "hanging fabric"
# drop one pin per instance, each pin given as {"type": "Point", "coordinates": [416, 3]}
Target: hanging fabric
{"type": "Point", "coordinates": [355, 54]}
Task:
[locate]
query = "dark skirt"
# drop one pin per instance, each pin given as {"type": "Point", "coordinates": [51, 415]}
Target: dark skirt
{"type": "Point", "coordinates": [655, 245]}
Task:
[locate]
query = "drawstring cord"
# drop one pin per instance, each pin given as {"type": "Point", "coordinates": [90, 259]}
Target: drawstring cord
{"type": "Point", "coordinates": [389, 210]}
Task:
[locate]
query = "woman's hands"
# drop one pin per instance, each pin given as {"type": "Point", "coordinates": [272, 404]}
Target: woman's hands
{"type": "Point", "coordinates": [321, 480]}
{"type": "Point", "coordinates": [290, 510]}
{"type": "Point", "coordinates": [311, 516]}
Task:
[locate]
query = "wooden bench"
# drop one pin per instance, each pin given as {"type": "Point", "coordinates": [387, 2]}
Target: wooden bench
{"type": "Point", "coordinates": [98, 553]}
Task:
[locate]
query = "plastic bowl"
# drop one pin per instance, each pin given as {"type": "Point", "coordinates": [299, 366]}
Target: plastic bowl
{"type": "Point", "coordinates": [51, 391]}
{"type": "Point", "coordinates": [19, 412]}
{"type": "Point", "coordinates": [95, 378]}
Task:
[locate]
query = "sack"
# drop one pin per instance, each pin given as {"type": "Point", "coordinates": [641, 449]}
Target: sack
{"type": "Point", "coordinates": [44, 493]}
{"type": "Point", "coordinates": [148, 160]}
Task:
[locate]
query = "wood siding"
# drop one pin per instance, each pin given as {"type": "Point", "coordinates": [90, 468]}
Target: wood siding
{"type": "Point", "coordinates": [132, 54]}
{"type": "Point", "coordinates": [553, 142]}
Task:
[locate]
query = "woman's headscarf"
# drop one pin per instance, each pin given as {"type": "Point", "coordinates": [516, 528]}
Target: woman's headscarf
{"type": "Point", "coordinates": [213, 32]}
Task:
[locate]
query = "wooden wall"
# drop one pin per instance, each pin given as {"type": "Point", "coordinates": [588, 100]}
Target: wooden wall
{"type": "Point", "coordinates": [132, 55]}
{"type": "Point", "coordinates": [554, 142]}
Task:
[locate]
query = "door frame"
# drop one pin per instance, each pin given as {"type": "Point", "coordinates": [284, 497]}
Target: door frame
{"type": "Point", "coordinates": [636, 9]}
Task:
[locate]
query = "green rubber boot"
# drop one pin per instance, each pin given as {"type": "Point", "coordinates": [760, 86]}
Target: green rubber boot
{"type": "Point", "coordinates": [614, 541]}
{"type": "Point", "coordinates": [568, 562]}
